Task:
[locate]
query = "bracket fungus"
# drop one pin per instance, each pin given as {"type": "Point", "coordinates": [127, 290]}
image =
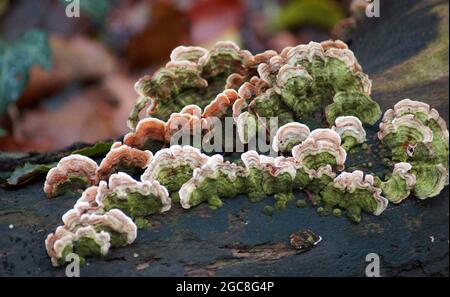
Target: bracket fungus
{"type": "Point", "coordinates": [400, 183]}
{"type": "Point", "coordinates": [73, 173]}
{"type": "Point", "coordinates": [124, 159]}
{"type": "Point", "coordinates": [350, 130]}
{"type": "Point", "coordinates": [304, 80]}
{"type": "Point", "coordinates": [289, 135]}
{"type": "Point", "coordinates": [214, 179]}
{"type": "Point", "coordinates": [415, 133]}
{"type": "Point", "coordinates": [172, 167]}
{"type": "Point", "coordinates": [313, 83]}
{"type": "Point", "coordinates": [268, 175]}
{"type": "Point", "coordinates": [193, 76]}
{"type": "Point", "coordinates": [136, 199]}
{"type": "Point", "coordinates": [353, 104]}
{"type": "Point", "coordinates": [354, 192]}
{"type": "Point", "coordinates": [89, 235]}
{"type": "Point", "coordinates": [84, 241]}
{"type": "Point", "coordinates": [322, 147]}
{"type": "Point", "coordinates": [191, 120]}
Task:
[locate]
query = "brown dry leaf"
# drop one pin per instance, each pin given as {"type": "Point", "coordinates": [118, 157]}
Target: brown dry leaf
{"type": "Point", "coordinates": [75, 59]}
{"type": "Point", "coordinates": [167, 28]}
{"type": "Point", "coordinates": [94, 114]}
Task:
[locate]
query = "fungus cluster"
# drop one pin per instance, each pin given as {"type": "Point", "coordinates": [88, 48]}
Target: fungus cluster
{"type": "Point", "coordinates": [152, 132]}
{"type": "Point", "coordinates": [305, 80]}
{"type": "Point", "coordinates": [89, 230]}
{"type": "Point", "coordinates": [354, 192]}
{"type": "Point", "coordinates": [197, 86]}
{"type": "Point", "coordinates": [415, 133]}
{"type": "Point", "coordinates": [194, 75]}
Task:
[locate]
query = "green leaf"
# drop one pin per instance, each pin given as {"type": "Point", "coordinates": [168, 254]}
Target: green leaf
{"type": "Point", "coordinates": [27, 172]}
{"type": "Point", "coordinates": [98, 149]}
{"type": "Point", "coordinates": [16, 59]}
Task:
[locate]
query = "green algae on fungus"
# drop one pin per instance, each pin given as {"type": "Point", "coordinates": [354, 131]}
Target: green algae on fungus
{"type": "Point", "coordinates": [190, 121]}
{"type": "Point", "coordinates": [353, 104]}
{"type": "Point", "coordinates": [73, 174]}
{"type": "Point", "coordinates": [322, 147]}
{"type": "Point", "coordinates": [415, 133]}
{"type": "Point", "coordinates": [85, 242]}
{"type": "Point", "coordinates": [316, 179]}
{"type": "Point", "coordinates": [350, 130]}
{"type": "Point", "coordinates": [431, 179]}
{"type": "Point", "coordinates": [193, 76]}
{"type": "Point", "coordinates": [136, 199]}
{"type": "Point", "coordinates": [306, 79]}
{"type": "Point", "coordinates": [399, 184]}
{"type": "Point", "coordinates": [355, 193]}
{"type": "Point", "coordinates": [121, 228]}
{"type": "Point", "coordinates": [89, 234]}
{"type": "Point", "coordinates": [289, 135]}
{"type": "Point", "coordinates": [124, 159]}
{"type": "Point", "coordinates": [266, 176]}
{"type": "Point", "coordinates": [216, 179]}
{"type": "Point", "coordinates": [174, 166]}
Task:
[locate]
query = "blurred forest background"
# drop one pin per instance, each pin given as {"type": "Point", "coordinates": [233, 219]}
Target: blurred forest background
{"type": "Point", "coordinates": [65, 80]}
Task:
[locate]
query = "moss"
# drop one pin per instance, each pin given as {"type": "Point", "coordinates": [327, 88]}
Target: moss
{"type": "Point", "coordinates": [68, 249]}
{"type": "Point", "coordinates": [321, 211]}
{"type": "Point", "coordinates": [254, 185]}
{"type": "Point", "coordinates": [175, 197]}
{"type": "Point", "coordinates": [348, 142]}
{"type": "Point", "coordinates": [214, 202]}
{"type": "Point", "coordinates": [337, 212]}
{"type": "Point", "coordinates": [316, 161]}
{"type": "Point", "coordinates": [282, 199]}
{"type": "Point", "coordinates": [174, 177]}
{"type": "Point", "coordinates": [301, 203]}
{"type": "Point", "coordinates": [354, 202]}
{"type": "Point", "coordinates": [135, 205]}
{"type": "Point", "coordinates": [142, 223]}
{"type": "Point", "coordinates": [276, 184]}
{"type": "Point", "coordinates": [268, 210]}
{"type": "Point", "coordinates": [317, 184]}
{"type": "Point", "coordinates": [72, 185]}
{"type": "Point", "coordinates": [117, 239]}
{"type": "Point", "coordinates": [85, 248]}
{"type": "Point", "coordinates": [301, 180]}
